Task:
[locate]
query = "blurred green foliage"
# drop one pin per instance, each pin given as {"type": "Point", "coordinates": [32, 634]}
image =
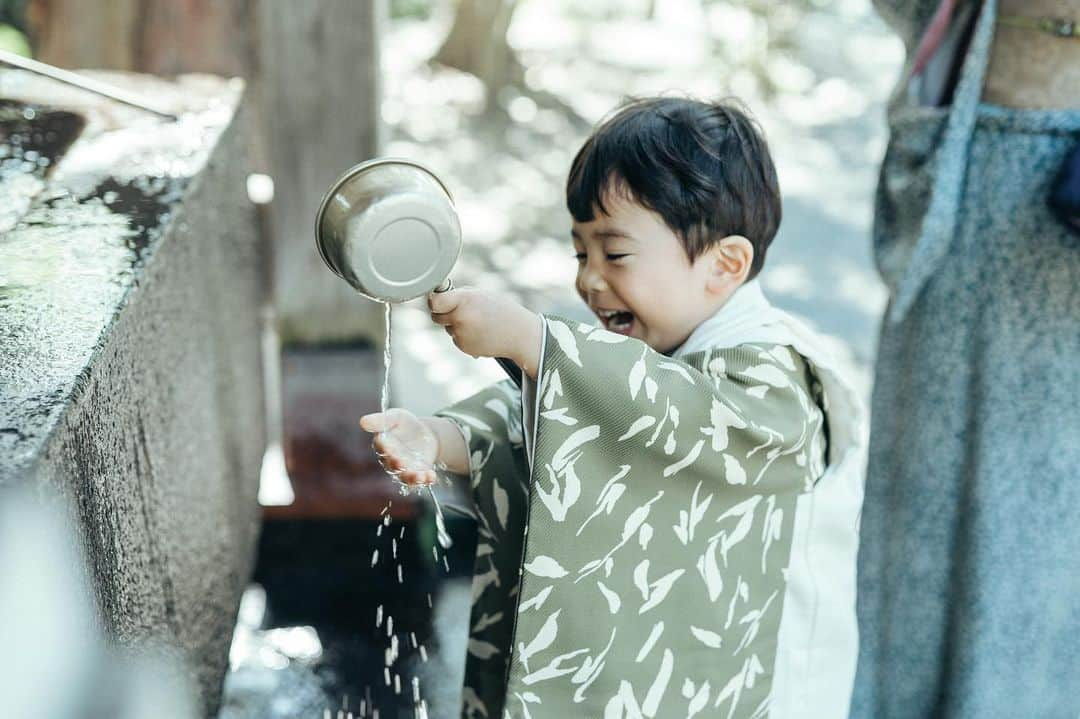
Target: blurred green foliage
{"type": "Point", "coordinates": [13, 41]}
{"type": "Point", "coordinates": [414, 9]}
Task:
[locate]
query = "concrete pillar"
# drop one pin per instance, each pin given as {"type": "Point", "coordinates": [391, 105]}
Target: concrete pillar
{"type": "Point", "coordinates": [130, 367]}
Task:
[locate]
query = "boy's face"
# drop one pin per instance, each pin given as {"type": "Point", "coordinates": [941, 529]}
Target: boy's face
{"type": "Point", "coordinates": [634, 274]}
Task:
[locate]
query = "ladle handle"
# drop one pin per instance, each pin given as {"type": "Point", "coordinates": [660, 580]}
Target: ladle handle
{"type": "Point", "coordinates": [508, 365]}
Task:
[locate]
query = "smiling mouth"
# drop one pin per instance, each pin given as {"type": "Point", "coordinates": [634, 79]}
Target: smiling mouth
{"type": "Point", "coordinates": [619, 321]}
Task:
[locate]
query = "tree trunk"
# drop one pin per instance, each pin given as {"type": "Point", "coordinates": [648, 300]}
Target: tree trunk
{"type": "Point", "coordinates": [477, 44]}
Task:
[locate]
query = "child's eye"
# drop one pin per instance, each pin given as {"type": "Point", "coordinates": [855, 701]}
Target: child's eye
{"type": "Point", "coordinates": [580, 256]}
{"type": "Point", "coordinates": [613, 257]}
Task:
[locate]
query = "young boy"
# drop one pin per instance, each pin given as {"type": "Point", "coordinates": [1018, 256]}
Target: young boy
{"type": "Point", "coordinates": [667, 509]}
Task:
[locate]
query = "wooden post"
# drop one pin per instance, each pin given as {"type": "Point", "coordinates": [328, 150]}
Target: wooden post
{"type": "Point", "coordinates": [319, 67]}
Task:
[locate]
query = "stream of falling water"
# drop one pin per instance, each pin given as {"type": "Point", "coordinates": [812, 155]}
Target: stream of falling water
{"type": "Point", "coordinates": [391, 654]}
{"type": "Point", "coordinates": [388, 356]}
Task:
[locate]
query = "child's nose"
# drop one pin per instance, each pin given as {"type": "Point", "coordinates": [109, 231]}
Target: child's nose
{"type": "Point", "coordinates": [590, 281]}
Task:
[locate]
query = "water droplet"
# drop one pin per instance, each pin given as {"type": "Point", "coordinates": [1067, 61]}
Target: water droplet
{"type": "Point", "coordinates": [386, 675]}
{"type": "Point", "coordinates": [423, 653]}
{"type": "Point", "coordinates": [375, 557]}
{"type": "Point", "coordinates": [378, 616]}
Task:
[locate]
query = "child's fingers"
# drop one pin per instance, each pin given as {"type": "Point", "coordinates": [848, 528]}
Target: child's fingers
{"type": "Point", "coordinates": [378, 422]}
{"type": "Point", "coordinates": [417, 478]}
{"type": "Point", "coordinates": [373, 422]}
{"type": "Point", "coordinates": [443, 302]}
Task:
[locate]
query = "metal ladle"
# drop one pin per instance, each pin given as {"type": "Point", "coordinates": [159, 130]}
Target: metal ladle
{"type": "Point", "coordinates": [389, 228]}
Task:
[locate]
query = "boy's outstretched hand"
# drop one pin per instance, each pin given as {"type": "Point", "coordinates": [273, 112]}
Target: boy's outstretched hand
{"type": "Point", "coordinates": [489, 324]}
{"type": "Point", "coordinates": [406, 447]}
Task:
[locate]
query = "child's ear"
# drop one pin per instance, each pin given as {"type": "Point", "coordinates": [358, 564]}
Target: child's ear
{"type": "Point", "coordinates": [730, 260]}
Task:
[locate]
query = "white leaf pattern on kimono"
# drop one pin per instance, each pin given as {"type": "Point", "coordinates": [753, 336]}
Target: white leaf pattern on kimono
{"type": "Point", "coordinates": [609, 495]}
{"type": "Point", "coordinates": [767, 373]}
{"type": "Point", "coordinates": [565, 338]}
{"type": "Point", "coordinates": [709, 639]}
{"type": "Point", "coordinates": [660, 425]}
{"type": "Point", "coordinates": [553, 389]}
{"type": "Point", "coordinates": [541, 641]}
{"type": "Point", "coordinates": [722, 418]}
{"type": "Point", "coordinates": [544, 566]}
{"type": "Point", "coordinates": [525, 713]}
{"type": "Point", "coordinates": [660, 588]}
{"type": "Point", "coordinates": [640, 424]}
{"type": "Point", "coordinates": [554, 668]}
{"type": "Point", "coordinates": [783, 355]}
{"type": "Point", "coordinates": [502, 503]}
{"type": "Point", "coordinates": [650, 388]}
{"type": "Point", "coordinates": [537, 602]}
{"type": "Point", "coordinates": [745, 512]}
{"type": "Point", "coordinates": [699, 701]}
{"type": "Point", "coordinates": [677, 369]}
{"type": "Point", "coordinates": [562, 496]}
{"type": "Point", "coordinates": [484, 650]}
{"type": "Point", "coordinates": [623, 705]}
{"type": "Point", "coordinates": [590, 669]}
{"type": "Point", "coordinates": [690, 458]}
{"type": "Point", "coordinates": [743, 680]}
{"type": "Point", "coordinates": [471, 704]}
{"type": "Point", "coordinates": [641, 578]}
{"type": "Point", "coordinates": [656, 692]}
{"type": "Point", "coordinates": [485, 621]}
{"type": "Point", "coordinates": [733, 471]}
{"type": "Point", "coordinates": [575, 440]}
{"type": "Point", "coordinates": [637, 376]}
{"type": "Point", "coordinates": [560, 416]}
{"type": "Point", "coordinates": [650, 642]}
{"type": "Point", "coordinates": [753, 618]}
{"type": "Point", "coordinates": [602, 335]}
{"type": "Point", "coordinates": [710, 571]}
{"type": "Point", "coordinates": [644, 535]}
{"type": "Point", "coordinates": [773, 527]}
{"type": "Point", "coordinates": [613, 601]}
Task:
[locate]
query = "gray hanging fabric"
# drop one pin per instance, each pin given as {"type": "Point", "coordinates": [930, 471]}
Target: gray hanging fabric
{"type": "Point", "coordinates": [923, 175]}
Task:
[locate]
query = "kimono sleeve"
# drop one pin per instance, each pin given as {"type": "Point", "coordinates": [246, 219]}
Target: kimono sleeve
{"type": "Point", "coordinates": [490, 422]}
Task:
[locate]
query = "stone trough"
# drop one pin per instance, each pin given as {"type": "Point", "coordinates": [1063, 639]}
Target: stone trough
{"type": "Point", "coordinates": [131, 382]}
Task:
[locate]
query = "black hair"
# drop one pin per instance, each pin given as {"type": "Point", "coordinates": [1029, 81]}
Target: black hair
{"type": "Point", "coordinates": [704, 167]}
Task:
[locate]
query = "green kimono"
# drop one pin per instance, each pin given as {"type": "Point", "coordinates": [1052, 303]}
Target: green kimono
{"type": "Point", "coordinates": [637, 565]}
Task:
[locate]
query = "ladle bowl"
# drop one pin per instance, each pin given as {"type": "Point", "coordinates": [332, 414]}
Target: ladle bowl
{"type": "Point", "coordinates": [389, 228]}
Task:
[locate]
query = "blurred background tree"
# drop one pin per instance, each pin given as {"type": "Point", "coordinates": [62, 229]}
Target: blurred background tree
{"type": "Point", "coordinates": [477, 43]}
